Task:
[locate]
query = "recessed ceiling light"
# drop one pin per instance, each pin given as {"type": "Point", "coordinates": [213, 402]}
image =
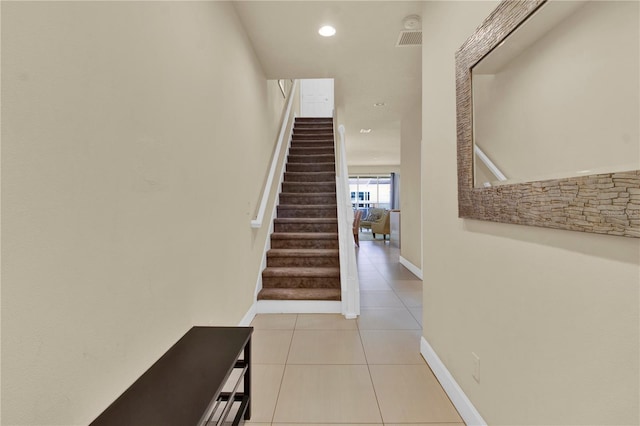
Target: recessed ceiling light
{"type": "Point", "coordinates": [327, 31]}
{"type": "Point", "coordinates": [378, 104]}
{"type": "Point", "coordinates": [365, 130]}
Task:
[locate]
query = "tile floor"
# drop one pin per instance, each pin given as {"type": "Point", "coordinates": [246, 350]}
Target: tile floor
{"type": "Point", "coordinates": [324, 369]}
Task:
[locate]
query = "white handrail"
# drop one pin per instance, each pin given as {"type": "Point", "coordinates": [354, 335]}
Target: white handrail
{"type": "Point", "coordinates": [257, 222]}
{"type": "Point", "coordinates": [487, 162]}
{"type": "Point", "coordinates": [349, 282]}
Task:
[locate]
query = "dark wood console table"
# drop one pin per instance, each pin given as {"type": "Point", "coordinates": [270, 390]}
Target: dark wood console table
{"type": "Point", "coordinates": [185, 386]}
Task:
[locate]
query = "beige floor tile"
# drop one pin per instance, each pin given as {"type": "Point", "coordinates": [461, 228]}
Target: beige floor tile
{"type": "Point", "coordinates": [378, 299]}
{"type": "Point", "coordinates": [331, 424]}
{"type": "Point", "coordinates": [366, 268]}
{"type": "Point", "coordinates": [369, 272]}
{"type": "Point", "coordinates": [396, 273]}
{"type": "Point", "coordinates": [411, 394]}
{"type": "Point", "coordinates": [411, 298]}
{"type": "Point", "coordinates": [417, 314]}
{"type": "Point", "coordinates": [406, 285]}
{"type": "Point", "coordinates": [386, 319]}
{"type": "Point", "coordinates": [265, 385]}
{"type": "Point", "coordinates": [362, 259]}
{"type": "Point", "coordinates": [324, 322]}
{"type": "Point", "coordinates": [232, 380]}
{"type": "Point", "coordinates": [392, 346]}
{"type": "Point", "coordinates": [270, 346]}
{"type": "Point", "coordinates": [374, 284]}
{"type": "Point", "coordinates": [274, 321]}
{"type": "Point", "coordinates": [326, 347]}
{"type": "Point", "coordinates": [327, 394]}
{"type": "Point", "coordinates": [383, 254]}
{"type": "Point", "coordinates": [424, 424]}
{"type": "Point", "coordinates": [380, 259]}
{"type": "Point", "coordinates": [365, 263]}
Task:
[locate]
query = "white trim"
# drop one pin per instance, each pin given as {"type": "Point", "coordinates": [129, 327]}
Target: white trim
{"type": "Point", "coordinates": [298, 307]}
{"type": "Point", "coordinates": [267, 242]}
{"type": "Point", "coordinates": [463, 404]}
{"type": "Point", "coordinates": [267, 245]}
{"type": "Point", "coordinates": [487, 162]}
{"type": "Point", "coordinates": [257, 222]}
{"type": "Point", "coordinates": [349, 280]}
{"type": "Point", "coordinates": [249, 316]}
{"type": "Point", "coordinates": [411, 267]}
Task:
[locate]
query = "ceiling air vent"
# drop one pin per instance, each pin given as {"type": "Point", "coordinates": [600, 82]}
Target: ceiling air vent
{"type": "Point", "coordinates": [409, 38]}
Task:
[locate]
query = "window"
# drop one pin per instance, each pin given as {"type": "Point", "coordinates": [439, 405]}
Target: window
{"type": "Point", "coordinates": [372, 191]}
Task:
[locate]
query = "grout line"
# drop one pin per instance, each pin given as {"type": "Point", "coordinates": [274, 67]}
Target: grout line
{"type": "Point", "coordinates": [293, 333]}
{"type": "Point", "coordinates": [284, 371]}
{"type": "Point", "coordinates": [295, 323]}
{"type": "Point", "coordinates": [373, 385]}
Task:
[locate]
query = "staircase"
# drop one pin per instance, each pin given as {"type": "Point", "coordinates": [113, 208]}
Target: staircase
{"type": "Point", "coordinates": [303, 262]}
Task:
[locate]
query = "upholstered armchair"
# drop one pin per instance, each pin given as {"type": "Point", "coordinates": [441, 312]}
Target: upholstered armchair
{"type": "Point", "coordinates": [378, 220]}
{"type": "Point", "coordinates": [382, 226]}
{"type": "Point", "coordinates": [373, 215]}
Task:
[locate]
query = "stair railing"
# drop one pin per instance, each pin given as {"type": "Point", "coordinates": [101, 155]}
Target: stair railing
{"type": "Point", "coordinates": [349, 282]}
{"type": "Point", "coordinates": [282, 138]}
{"type": "Point", "coordinates": [487, 162]}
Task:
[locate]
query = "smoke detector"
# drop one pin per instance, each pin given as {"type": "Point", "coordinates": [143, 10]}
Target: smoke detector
{"type": "Point", "coordinates": [412, 22]}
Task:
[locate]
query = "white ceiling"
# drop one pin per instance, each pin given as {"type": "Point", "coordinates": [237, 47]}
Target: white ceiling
{"type": "Point", "coordinates": [361, 57]}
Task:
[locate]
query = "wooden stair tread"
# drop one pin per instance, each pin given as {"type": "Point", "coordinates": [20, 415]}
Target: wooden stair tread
{"type": "Point", "coordinates": [313, 182]}
{"type": "Point", "coordinates": [322, 155]}
{"type": "Point", "coordinates": [304, 156]}
{"type": "Point", "coordinates": [303, 253]}
{"type": "Point", "coordinates": [311, 173]}
{"type": "Point", "coordinates": [308, 206]}
{"type": "Point", "coordinates": [306, 220]}
{"type": "Point", "coordinates": [316, 183]}
{"type": "Point", "coordinates": [311, 194]}
{"type": "Point", "coordinates": [327, 163]}
{"type": "Point", "coordinates": [304, 271]}
{"type": "Point", "coordinates": [304, 236]}
{"type": "Point", "coordinates": [299, 294]}
{"type": "Point", "coordinates": [312, 143]}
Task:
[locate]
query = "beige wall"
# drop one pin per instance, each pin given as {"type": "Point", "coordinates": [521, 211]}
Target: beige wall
{"type": "Point", "coordinates": [569, 102]}
{"type": "Point", "coordinates": [373, 170]}
{"type": "Point", "coordinates": [135, 143]}
{"type": "Point", "coordinates": [553, 315]}
{"type": "Point", "coordinates": [410, 204]}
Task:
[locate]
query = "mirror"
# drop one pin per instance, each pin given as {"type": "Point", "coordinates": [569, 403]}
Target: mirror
{"type": "Point", "coordinates": [548, 100]}
{"type": "Point", "coordinates": [559, 97]}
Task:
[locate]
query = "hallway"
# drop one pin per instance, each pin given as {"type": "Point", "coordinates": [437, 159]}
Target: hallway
{"type": "Point", "coordinates": [324, 369]}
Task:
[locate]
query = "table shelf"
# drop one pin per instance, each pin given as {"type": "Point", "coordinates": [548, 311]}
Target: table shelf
{"type": "Point", "coordinates": [186, 385]}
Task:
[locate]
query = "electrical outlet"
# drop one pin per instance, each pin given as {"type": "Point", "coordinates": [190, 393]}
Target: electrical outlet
{"type": "Point", "coordinates": [476, 367]}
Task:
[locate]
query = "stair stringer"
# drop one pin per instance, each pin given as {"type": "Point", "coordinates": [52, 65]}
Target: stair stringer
{"type": "Point", "coordinates": [267, 244]}
{"type": "Point", "coordinates": [349, 281]}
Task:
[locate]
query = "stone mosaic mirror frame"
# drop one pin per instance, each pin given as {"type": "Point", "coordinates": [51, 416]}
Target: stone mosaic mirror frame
{"type": "Point", "coordinates": [607, 203]}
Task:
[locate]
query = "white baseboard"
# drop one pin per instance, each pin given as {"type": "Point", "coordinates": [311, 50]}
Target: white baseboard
{"type": "Point", "coordinates": [249, 316]}
{"type": "Point", "coordinates": [298, 307]}
{"type": "Point", "coordinates": [411, 267]}
{"type": "Point", "coordinates": [467, 411]}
